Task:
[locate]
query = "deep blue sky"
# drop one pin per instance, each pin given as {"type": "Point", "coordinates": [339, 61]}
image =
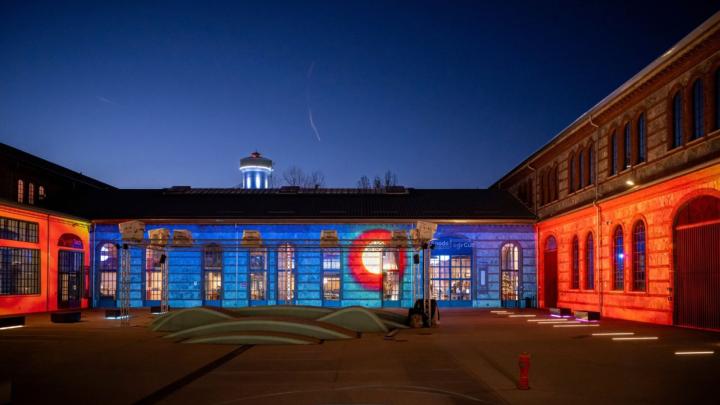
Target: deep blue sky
{"type": "Point", "coordinates": [446, 94]}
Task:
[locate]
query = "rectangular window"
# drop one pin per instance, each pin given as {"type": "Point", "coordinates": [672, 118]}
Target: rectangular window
{"type": "Point", "coordinates": [331, 274]}
{"type": "Point", "coordinates": [331, 287]}
{"type": "Point", "coordinates": [450, 278]}
{"type": "Point", "coordinates": [17, 230]}
{"type": "Point", "coordinates": [213, 285]}
{"type": "Point", "coordinates": [258, 274]}
{"type": "Point", "coordinates": [19, 271]}
{"type": "Point", "coordinates": [153, 274]}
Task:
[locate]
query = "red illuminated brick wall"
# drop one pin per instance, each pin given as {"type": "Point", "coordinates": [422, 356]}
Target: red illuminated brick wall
{"type": "Point", "coordinates": [50, 228]}
{"type": "Point", "coordinates": [654, 204]}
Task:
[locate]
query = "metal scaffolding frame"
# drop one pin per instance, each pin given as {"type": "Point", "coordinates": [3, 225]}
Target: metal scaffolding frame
{"type": "Point", "coordinates": [419, 278]}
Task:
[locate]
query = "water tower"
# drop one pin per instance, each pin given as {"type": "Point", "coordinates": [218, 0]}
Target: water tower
{"type": "Point", "coordinates": [256, 171]}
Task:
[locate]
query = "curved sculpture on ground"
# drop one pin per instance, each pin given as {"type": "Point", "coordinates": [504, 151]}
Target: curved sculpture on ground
{"type": "Point", "coordinates": [282, 324]}
{"type": "Point", "coordinates": [356, 318]}
{"type": "Point", "coordinates": [304, 327]}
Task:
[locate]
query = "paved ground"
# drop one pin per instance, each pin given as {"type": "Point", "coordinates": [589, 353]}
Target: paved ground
{"type": "Point", "coordinates": [471, 358]}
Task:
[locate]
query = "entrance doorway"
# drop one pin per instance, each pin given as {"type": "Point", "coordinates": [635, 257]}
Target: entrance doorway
{"type": "Point", "coordinates": [696, 238]}
{"type": "Point", "coordinates": [550, 272]}
{"type": "Point", "coordinates": [70, 278]}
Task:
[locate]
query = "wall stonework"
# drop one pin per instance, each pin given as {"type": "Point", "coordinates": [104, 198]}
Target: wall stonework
{"type": "Point", "coordinates": [655, 205]}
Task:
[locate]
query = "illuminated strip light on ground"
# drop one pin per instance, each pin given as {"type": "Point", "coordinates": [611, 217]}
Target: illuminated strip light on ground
{"type": "Point", "coordinates": [691, 353]}
{"type": "Point", "coordinates": [501, 312]}
{"type": "Point", "coordinates": [117, 317]}
{"type": "Point", "coordinates": [556, 322]}
{"type": "Point", "coordinates": [636, 338]}
{"type": "Point", "coordinates": [614, 334]}
{"type": "Point", "coordinates": [561, 316]}
{"type": "Point", "coordinates": [544, 320]}
{"type": "Point", "coordinates": [580, 325]}
{"type": "Point", "coordinates": [521, 316]}
{"type": "Point", "coordinates": [11, 327]}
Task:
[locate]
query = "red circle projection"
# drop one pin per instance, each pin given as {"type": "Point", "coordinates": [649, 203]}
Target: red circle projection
{"type": "Point", "coordinates": [367, 261]}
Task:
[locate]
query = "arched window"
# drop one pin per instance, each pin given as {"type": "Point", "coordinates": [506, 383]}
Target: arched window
{"type": "Point", "coordinates": [510, 272]}
{"type": "Point", "coordinates": [618, 260]}
{"type": "Point", "coordinates": [571, 177]}
{"type": "Point", "coordinates": [70, 241]}
{"type": "Point", "coordinates": [212, 272]}
{"type": "Point", "coordinates": [581, 169]}
{"type": "Point", "coordinates": [698, 110]}
{"type": "Point", "coordinates": [575, 274]}
{"type": "Point", "coordinates": [639, 257]}
{"type": "Point", "coordinates": [286, 272]}
{"type": "Point", "coordinates": [108, 265]}
{"type": "Point", "coordinates": [20, 191]}
{"type": "Point", "coordinates": [613, 153]}
{"type": "Point", "coordinates": [41, 193]}
{"type": "Point", "coordinates": [556, 184]}
{"type": "Point", "coordinates": [591, 165]}
{"type": "Point", "coordinates": [31, 193]}
{"type": "Point", "coordinates": [677, 120]}
{"type": "Point", "coordinates": [627, 146]}
{"type": "Point", "coordinates": [589, 262]}
{"type": "Point", "coordinates": [641, 140]}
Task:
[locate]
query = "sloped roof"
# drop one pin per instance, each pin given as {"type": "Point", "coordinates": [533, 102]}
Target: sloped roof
{"type": "Point", "coordinates": [185, 203]}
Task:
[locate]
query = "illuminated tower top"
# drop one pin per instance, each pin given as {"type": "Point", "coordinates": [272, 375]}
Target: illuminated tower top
{"type": "Point", "coordinates": [256, 171]}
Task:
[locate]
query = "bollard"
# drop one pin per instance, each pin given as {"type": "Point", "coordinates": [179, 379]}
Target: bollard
{"type": "Point", "coordinates": [524, 364]}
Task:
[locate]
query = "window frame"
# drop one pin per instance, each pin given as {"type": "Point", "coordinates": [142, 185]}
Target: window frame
{"type": "Point", "coordinates": [286, 266]}
{"type": "Point", "coordinates": [575, 263]}
{"type": "Point", "coordinates": [639, 257]}
{"type": "Point", "coordinates": [517, 252]}
{"type": "Point", "coordinates": [106, 267]}
{"type": "Point", "coordinates": [697, 112]}
{"type": "Point", "coordinates": [29, 271]}
{"type": "Point", "coordinates": [331, 266]}
{"type": "Point", "coordinates": [640, 139]}
{"type": "Point", "coordinates": [677, 130]}
{"type": "Point", "coordinates": [212, 274]}
{"type": "Point", "coordinates": [589, 261]}
{"type": "Point", "coordinates": [618, 255]}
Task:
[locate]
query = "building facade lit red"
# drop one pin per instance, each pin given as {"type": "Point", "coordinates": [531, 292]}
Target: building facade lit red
{"type": "Point", "coordinates": [627, 195]}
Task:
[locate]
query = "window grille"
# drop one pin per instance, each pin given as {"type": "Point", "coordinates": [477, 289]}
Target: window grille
{"type": "Point", "coordinates": [677, 120]}
{"type": "Point", "coordinates": [108, 270]}
{"type": "Point", "coordinates": [575, 282]}
{"type": "Point", "coordinates": [618, 260]}
{"type": "Point", "coordinates": [258, 274]}
{"type": "Point", "coordinates": [639, 257]}
{"type": "Point", "coordinates": [17, 230]}
{"type": "Point", "coordinates": [19, 271]}
{"type": "Point", "coordinates": [212, 272]}
{"type": "Point", "coordinates": [20, 191]}
{"type": "Point", "coordinates": [331, 274]}
{"type": "Point", "coordinates": [153, 274]}
{"type": "Point", "coordinates": [450, 277]}
{"type": "Point", "coordinates": [589, 263]}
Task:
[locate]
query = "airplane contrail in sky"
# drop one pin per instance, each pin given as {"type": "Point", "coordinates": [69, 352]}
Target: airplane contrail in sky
{"type": "Point", "coordinates": [307, 98]}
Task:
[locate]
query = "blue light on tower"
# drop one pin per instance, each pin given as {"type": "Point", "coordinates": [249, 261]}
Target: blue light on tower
{"type": "Point", "coordinates": [255, 171]}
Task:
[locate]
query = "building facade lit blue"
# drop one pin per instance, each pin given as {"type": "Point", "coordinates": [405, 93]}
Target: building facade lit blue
{"type": "Point", "coordinates": [473, 265]}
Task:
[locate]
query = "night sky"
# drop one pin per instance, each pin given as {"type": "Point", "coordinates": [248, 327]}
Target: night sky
{"type": "Point", "coordinates": [445, 94]}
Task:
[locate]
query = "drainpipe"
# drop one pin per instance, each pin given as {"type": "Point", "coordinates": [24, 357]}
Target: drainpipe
{"type": "Point", "coordinates": [598, 216]}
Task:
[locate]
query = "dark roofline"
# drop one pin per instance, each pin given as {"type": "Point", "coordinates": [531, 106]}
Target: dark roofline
{"type": "Point", "coordinates": [51, 167]}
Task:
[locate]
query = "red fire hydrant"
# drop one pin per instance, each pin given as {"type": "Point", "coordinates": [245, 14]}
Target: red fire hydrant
{"type": "Point", "coordinates": [524, 364]}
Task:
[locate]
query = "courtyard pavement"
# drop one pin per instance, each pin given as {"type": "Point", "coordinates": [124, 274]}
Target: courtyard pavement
{"type": "Point", "coordinates": [471, 358]}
